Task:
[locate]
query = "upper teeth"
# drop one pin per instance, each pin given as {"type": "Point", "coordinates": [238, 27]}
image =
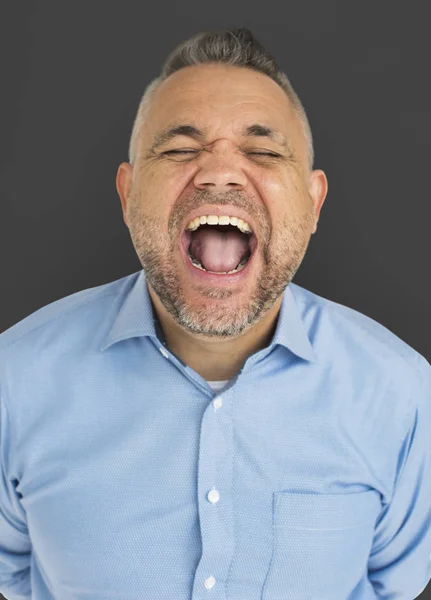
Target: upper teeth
{"type": "Point", "coordinates": [215, 220]}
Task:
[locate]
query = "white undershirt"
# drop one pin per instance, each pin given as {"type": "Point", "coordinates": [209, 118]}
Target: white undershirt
{"type": "Point", "coordinates": [216, 386]}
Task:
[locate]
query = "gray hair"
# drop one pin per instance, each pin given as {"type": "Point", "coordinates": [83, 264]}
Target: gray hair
{"type": "Point", "coordinates": [236, 47]}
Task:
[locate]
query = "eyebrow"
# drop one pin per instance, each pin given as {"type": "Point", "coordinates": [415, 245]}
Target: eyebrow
{"type": "Point", "coordinates": [254, 130]}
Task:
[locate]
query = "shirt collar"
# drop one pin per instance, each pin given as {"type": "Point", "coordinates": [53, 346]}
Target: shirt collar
{"type": "Point", "coordinates": [135, 318]}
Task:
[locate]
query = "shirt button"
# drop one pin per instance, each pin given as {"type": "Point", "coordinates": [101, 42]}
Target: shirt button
{"type": "Point", "coordinates": [213, 496]}
{"type": "Point", "coordinates": [164, 352]}
{"type": "Point", "coordinates": [210, 582]}
{"type": "Point", "coordinates": [218, 402]}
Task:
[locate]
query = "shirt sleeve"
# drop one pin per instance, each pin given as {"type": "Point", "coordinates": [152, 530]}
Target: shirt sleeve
{"type": "Point", "coordinates": [15, 547]}
{"type": "Point", "coordinates": [399, 565]}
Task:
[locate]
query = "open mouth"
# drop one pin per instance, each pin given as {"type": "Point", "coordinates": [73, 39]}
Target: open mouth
{"type": "Point", "coordinates": [219, 245]}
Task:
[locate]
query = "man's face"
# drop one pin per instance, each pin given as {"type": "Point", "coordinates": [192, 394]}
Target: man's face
{"type": "Point", "coordinates": [223, 173]}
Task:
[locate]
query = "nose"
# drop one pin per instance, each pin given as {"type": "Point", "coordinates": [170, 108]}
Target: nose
{"type": "Point", "coordinates": [219, 171]}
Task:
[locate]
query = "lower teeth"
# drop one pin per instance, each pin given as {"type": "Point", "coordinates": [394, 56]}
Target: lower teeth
{"type": "Point", "coordinates": [239, 267]}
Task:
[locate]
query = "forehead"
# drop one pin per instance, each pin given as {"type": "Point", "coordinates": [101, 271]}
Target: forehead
{"type": "Point", "coordinates": [221, 97]}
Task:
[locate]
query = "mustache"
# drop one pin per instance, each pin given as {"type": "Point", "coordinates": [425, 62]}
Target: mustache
{"type": "Point", "coordinates": [200, 198]}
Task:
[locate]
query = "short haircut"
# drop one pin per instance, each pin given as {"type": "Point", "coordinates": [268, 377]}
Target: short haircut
{"type": "Point", "coordinates": [236, 47]}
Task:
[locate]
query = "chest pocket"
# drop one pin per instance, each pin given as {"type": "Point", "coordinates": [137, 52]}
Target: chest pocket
{"type": "Point", "coordinates": [321, 544]}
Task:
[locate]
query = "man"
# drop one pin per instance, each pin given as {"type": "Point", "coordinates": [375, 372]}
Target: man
{"type": "Point", "coordinates": [205, 428]}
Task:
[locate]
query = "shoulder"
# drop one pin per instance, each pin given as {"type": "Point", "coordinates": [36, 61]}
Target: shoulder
{"type": "Point", "coordinates": [370, 365]}
{"type": "Point", "coordinates": [344, 334]}
{"type": "Point", "coordinates": [81, 314]}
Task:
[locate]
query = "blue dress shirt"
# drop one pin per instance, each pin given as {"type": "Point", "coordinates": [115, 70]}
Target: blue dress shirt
{"type": "Point", "coordinates": [124, 476]}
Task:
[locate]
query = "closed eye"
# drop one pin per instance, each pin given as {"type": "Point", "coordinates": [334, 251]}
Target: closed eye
{"type": "Point", "coordinates": [194, 151]}
{"type": "Point", "coordinates": [180, 151]}
{"type": "Point", "coordinates": [264, 153]}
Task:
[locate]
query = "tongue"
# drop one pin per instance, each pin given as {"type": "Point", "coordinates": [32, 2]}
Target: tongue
{"type": "Point", "coordinates": [217, 250]}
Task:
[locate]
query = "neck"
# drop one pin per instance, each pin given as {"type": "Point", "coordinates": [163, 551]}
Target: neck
{"type": "Point", "coordinates": [213, 358]}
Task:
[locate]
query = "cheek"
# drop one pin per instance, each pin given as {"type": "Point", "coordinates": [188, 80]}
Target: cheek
{"type": "Point", "coordinates": [274, 186]}
{"type": "Point", "coordinates": [160, 190]}
{"type": "Point", "coordinates": [289, 195]}
{"type": "Point", "coordinates": [280, 198]}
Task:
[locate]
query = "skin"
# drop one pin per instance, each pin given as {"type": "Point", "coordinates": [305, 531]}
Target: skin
{"type": "Point", "coordinates": [215, 328]}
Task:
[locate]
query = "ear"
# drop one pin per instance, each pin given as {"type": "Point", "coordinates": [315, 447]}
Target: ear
{"type": "Point", "coordinates": [318, 188]}
{"type": "Point", "coordinates": [124, 185]}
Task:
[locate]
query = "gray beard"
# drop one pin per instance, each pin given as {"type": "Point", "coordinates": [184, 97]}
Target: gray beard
{"type": "Point", "coordinates": [158, 259]}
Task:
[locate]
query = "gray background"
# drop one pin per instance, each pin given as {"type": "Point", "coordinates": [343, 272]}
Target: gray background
{"type": "Point", "coordinates": [72, 77]}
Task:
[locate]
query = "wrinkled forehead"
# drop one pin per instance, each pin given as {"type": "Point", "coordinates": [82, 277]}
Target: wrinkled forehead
{"type": "Point", "coordinates": [221, 100]}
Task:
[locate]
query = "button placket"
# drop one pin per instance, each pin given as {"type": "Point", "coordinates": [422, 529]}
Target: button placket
{"type": "Point", "coordinates": [217, 523]}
